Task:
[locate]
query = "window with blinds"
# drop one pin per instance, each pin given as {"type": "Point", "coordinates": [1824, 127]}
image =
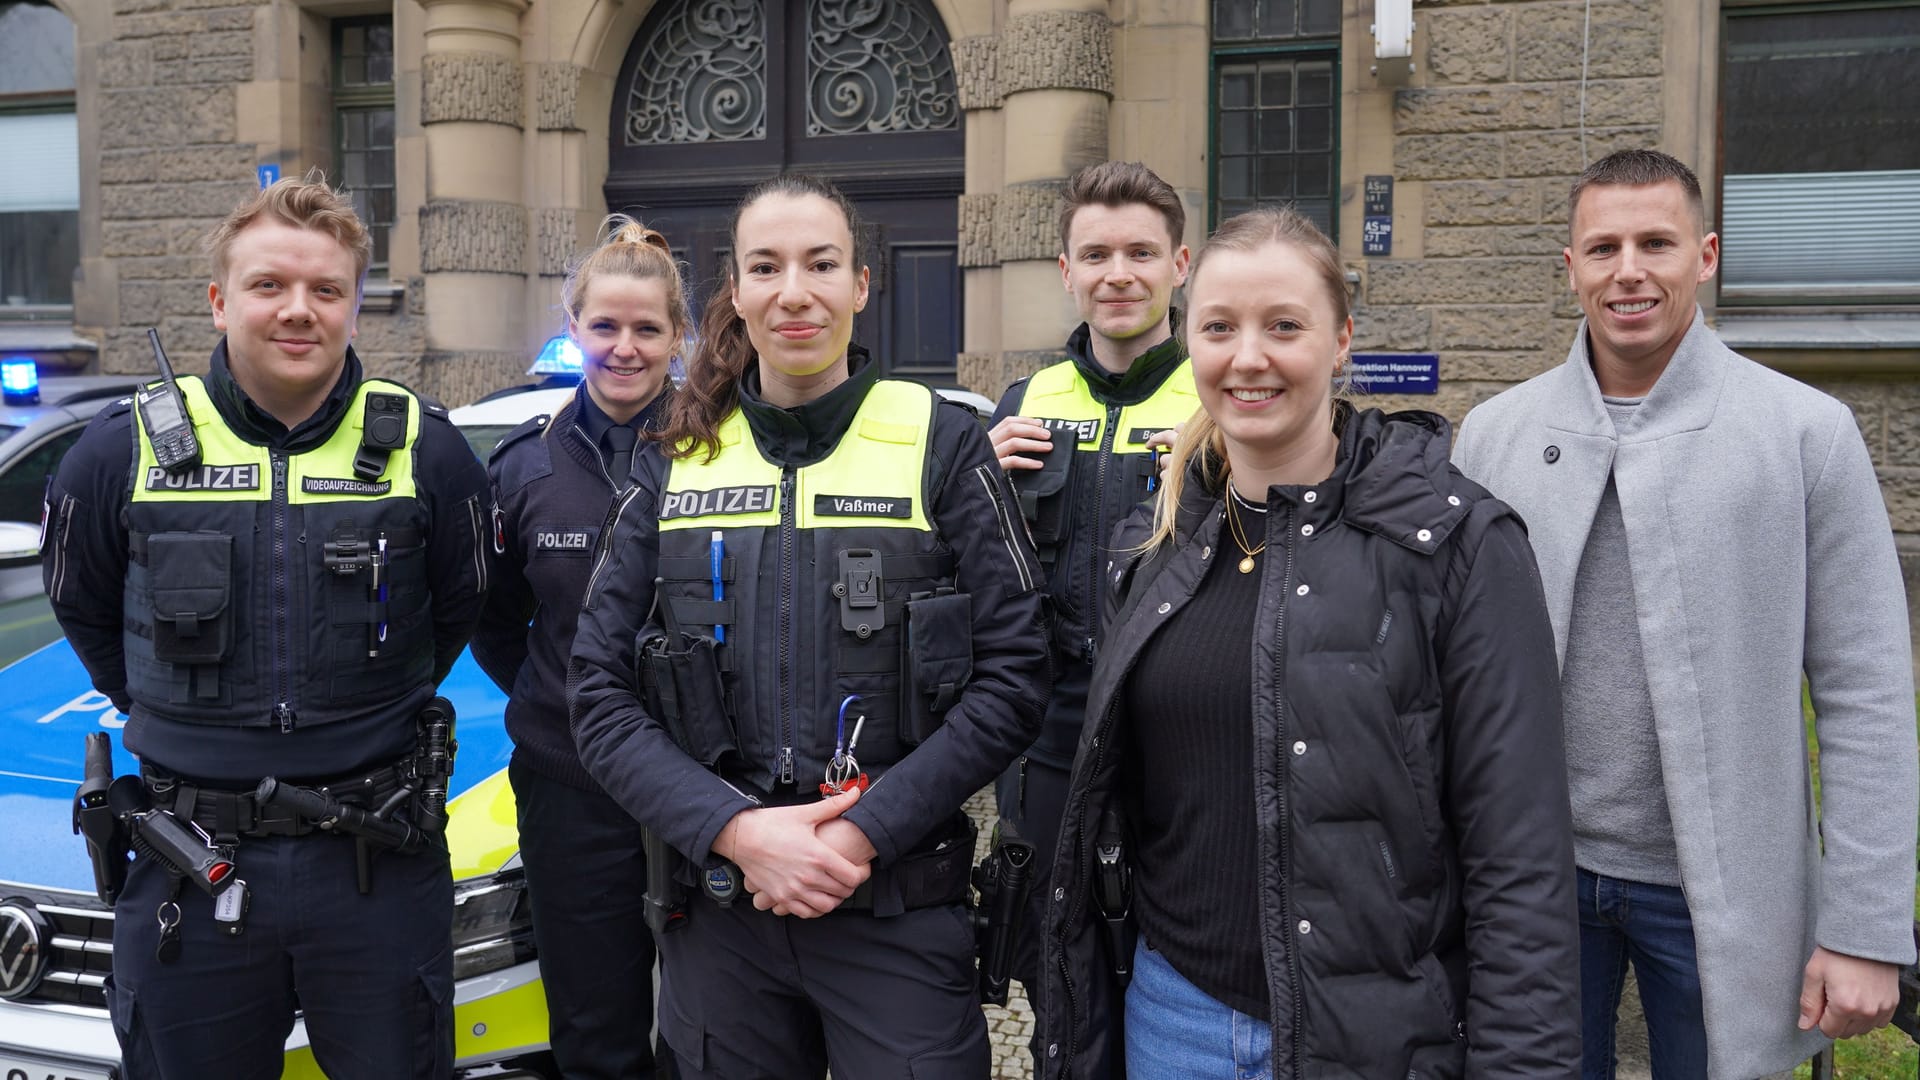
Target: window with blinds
{"type": "Point", "coordinates": [1820, 186]}
{"type": "Point", "coordinates": [39, 143]}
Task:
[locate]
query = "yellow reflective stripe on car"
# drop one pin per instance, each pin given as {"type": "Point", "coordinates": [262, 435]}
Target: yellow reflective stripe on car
{"type": "Point", "coordinates": [481, 833]}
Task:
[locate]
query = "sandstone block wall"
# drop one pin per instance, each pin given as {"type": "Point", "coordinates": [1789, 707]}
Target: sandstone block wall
{"type": "Point", "coordinates": [177, 78]}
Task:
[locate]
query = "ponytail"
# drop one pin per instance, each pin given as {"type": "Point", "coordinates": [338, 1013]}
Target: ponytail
{"type": "Point", "coordinates": [626, 248]}
{"type": "Point", "coordinates": [713, 380]}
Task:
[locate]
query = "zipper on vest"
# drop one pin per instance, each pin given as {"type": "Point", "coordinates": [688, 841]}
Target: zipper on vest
{"type": "Point", "coordinates": [784, 768]}
{"type": "Point", "coordinates": [282, 708]}
{"type": "Point", "coordinates": [1096, 548]}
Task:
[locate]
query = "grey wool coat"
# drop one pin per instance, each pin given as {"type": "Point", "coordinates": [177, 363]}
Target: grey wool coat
{"type": "Point", "coordinates": [1760, 548]}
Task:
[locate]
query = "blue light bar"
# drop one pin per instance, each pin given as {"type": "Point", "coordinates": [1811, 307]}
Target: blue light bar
{"type": "Point", "coordinates": [559, 356]}
{"type": "Point", "coordinates": [19, 381]}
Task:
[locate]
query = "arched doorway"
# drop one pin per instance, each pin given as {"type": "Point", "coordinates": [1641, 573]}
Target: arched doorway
{"type": "Point", "coordinates": [716, 95]}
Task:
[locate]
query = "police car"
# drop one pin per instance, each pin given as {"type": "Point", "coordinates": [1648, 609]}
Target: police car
{"type": "Point", "coordinates": [56, 936]}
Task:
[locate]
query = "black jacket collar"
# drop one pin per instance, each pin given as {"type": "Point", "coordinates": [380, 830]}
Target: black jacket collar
{"type": "Point", "coordinates": [1390, 477]}
{"type": "Point", "coordinates": [257, 426]}
{"type": "Point", "coordinates": [1140, 380]}
{"type": "Point", "coordinates": [808, 432]}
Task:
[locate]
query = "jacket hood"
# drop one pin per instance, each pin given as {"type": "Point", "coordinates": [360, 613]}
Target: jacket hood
{"type": "Point", "coordinates": [1391, 477]}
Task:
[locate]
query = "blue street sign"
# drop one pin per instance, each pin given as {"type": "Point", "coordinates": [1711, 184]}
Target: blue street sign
{"type": "Point", "coordinates": [269, 173]}
{"type": "Point", "coordinates": [1391, 373]}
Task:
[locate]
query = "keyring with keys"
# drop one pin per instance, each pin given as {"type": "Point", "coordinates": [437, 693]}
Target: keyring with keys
{"type": "Point", "coordinates": [843, 769]}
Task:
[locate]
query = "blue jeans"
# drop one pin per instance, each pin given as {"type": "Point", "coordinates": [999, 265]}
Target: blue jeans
{"type": "Point", "coordinates": [1649, 926]}
{"type": "Point", "coordinates": [1176, 1032]}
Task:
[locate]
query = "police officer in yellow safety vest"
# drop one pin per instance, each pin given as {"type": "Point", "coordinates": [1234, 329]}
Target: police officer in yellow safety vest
{"type": "Point", "coordinates": [1081, 442]}
{"type": "Point", "coordinates": [815, 631]}
{"type": "Point", "coordinates": [288, 599]}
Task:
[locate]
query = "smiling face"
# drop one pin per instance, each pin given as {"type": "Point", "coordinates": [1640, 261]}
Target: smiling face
{"type": "Point", "coordinates": [1637, 262]}
{"type": "Point", "coordinates": [626, 336]}
{"type": "Point", "coordinates": [797, 290]}
{"type": "Point", "coordinates": [287, 306]}
{"type": "Point", "coordinates": [1266, 342]}
{"type": "Point", "coordinates": [1121, 265]}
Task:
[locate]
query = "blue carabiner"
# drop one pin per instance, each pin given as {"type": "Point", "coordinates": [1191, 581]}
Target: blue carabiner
{"type": "Point", "coordinates": [840, 727]}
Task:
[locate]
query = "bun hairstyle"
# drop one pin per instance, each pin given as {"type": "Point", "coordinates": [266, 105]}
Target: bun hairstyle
{"type": "Point", "coordinates": [1200, 437]}
{"type": "Point", "coordinates": [625, 248]}
{"type": "Point", "coordinates": [724, 350]}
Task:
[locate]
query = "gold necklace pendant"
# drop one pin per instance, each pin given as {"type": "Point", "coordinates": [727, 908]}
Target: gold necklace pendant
{"type": "Point", "coordinates": [1239, 535]}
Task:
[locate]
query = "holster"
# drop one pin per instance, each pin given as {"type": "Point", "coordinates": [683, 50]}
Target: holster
{"type": "Point", "coordinates": [1113, 894]}
{"type": "Point", "coordinates": [1004, 880]}
{"type": "Point", "coordinates": [94, 818]}
{"type": "Point", "coordinates": [665, 898]}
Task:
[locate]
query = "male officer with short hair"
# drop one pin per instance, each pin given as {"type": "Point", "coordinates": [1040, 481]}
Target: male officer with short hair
{"type": "Point", "coordinates": [1707, 530]}
{"type": "Point", "coordinates": [281, 607]}
{"type": "Point", "coordinates": [1079, 440]}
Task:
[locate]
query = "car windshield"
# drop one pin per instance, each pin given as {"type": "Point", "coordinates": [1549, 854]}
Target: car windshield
{"type": "Point", "coordinates": [484, 437]}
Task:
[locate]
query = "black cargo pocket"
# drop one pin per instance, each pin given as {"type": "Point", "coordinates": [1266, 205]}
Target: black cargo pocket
{"type": "Point", "coordinates": [433, 1017]}
{"type": "Point", "coordinates": [687, 1039]}
{"type": "Point", "coordinates": [1045, 500]}
{"type": "Point", "coordinates": [685, 692]}
{"type": "Point", "coordinates": [936, 663]}
{"type": "Point", "coordinates": [192, 576]}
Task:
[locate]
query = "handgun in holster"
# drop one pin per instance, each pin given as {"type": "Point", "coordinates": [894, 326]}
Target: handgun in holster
{"type": "Point", "coordinates": [1004, 880]}
{"type": "Point", "coordinates": [665, 899]}
{"type": "Point", "coordinates": [94, 818]}
{"type": "Point", "coordinates": [1113, 893]}
{"type": "Point", "coordinates": [116, 816]}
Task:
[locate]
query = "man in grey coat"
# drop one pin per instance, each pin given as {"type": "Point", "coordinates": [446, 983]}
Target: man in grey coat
{"type": "Point", "coordinates": [1707, 531]}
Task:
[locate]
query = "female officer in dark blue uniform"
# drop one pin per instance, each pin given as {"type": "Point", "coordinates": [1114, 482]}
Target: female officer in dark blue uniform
{"type": "Point", "coordinates": [553, 480]}
{"type": "Point", "coordinates": [821, 579]}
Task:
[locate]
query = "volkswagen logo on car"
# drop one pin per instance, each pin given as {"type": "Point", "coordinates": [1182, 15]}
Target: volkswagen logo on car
{"type": "Point", "coordinates": [23, 948]}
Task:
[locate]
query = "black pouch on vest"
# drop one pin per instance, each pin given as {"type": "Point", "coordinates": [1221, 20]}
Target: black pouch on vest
{"type": "Point", "coordinates": [192, 576]}
{"type": "Point", "coordinates": [936, 660]}
{"type": "Point", "coordinates": [684, 689]}
{"type": "Point", "coordinates": [1043, 493]}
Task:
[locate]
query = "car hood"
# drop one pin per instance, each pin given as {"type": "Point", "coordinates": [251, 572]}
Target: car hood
{"type": "Point", "coordinates": [47, 704]}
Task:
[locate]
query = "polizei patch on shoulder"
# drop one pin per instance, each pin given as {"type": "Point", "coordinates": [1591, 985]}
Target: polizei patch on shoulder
{"type": "Point", "coordinates": [341, 485]}
{"type": "Point", "coordinates": [862, 506]}
{"type": "Point", "coordinates": [205, 478]}
{"type": "Point", "coordinates": [745, 499]}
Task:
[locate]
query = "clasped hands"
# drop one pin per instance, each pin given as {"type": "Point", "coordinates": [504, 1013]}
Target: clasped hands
{"type": "Point", "coordinates": [799, 860]}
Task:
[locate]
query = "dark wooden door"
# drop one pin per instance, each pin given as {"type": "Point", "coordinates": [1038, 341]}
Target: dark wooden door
{"type": "Point", "coordinates": [717, 95]}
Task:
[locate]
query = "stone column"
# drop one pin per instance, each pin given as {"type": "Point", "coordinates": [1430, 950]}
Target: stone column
{"type": "Point", "coordinates": [473, 226]}
{"type": "Point", "coordinates": [1054, 74]}
{"type": "Point", "coordinates": [1036, 96]}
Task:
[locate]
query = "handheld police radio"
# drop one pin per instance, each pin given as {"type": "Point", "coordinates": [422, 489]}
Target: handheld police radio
{"type": "Point", "coordinates": [163, 412]}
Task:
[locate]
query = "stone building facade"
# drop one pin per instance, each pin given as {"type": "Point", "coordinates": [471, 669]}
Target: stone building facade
{"type": "Point", "coordinates": [504, 141]}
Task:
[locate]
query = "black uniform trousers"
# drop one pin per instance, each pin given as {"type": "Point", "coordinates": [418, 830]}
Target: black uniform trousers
{"type": "Point", "coordinates": [749, 995]}
{"type": "Point", "coordinates": [586, 878]}
{"type": "Point", "coordinates": [373, 973]}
